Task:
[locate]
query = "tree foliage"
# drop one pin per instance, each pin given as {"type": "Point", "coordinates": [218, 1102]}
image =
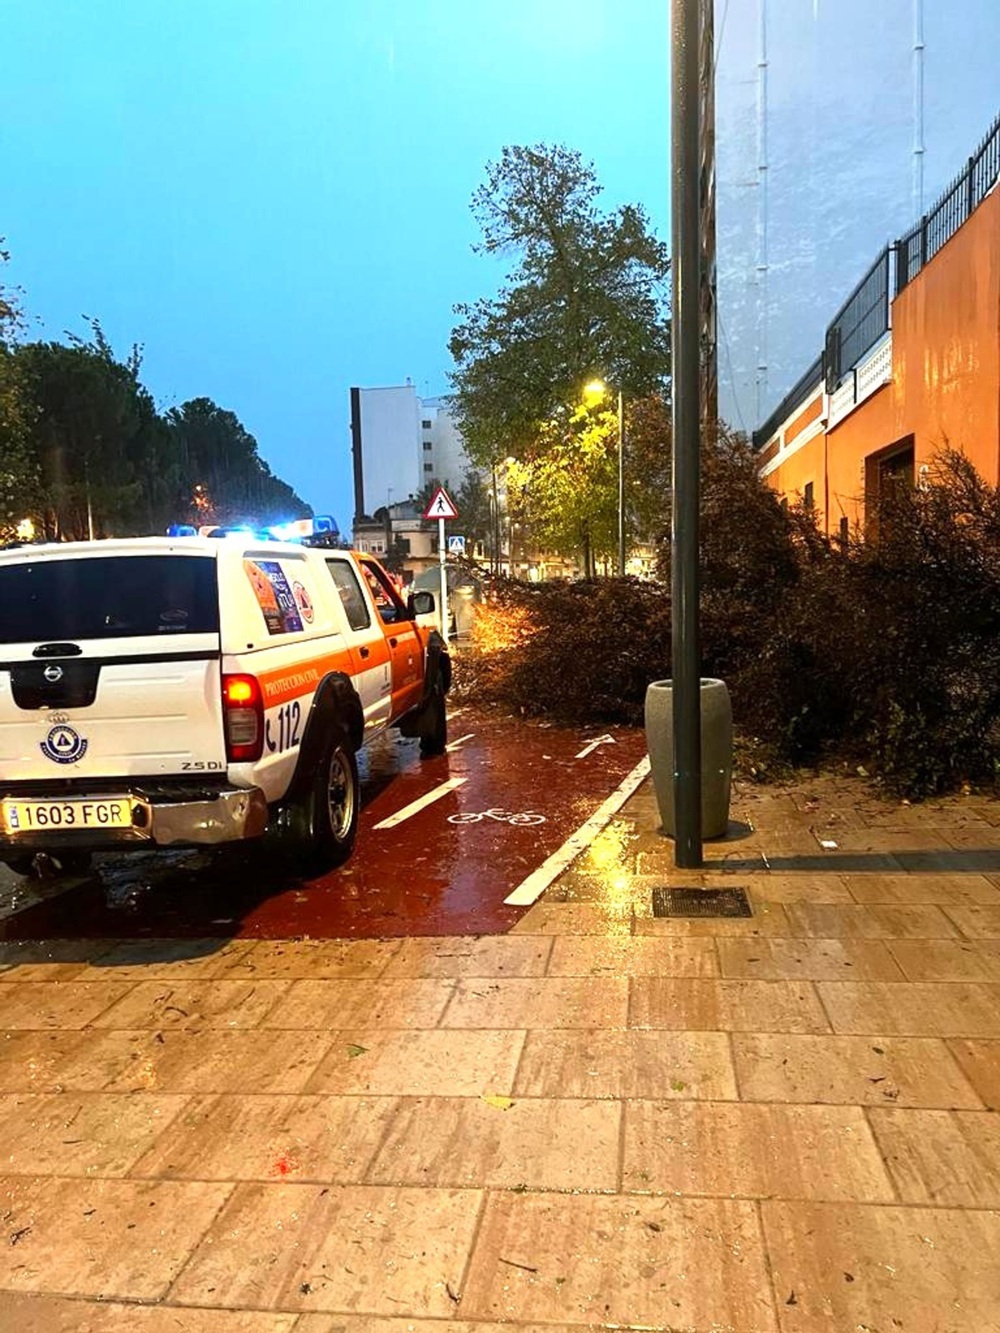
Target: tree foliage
{"type": "Point", "coordinates": [83, 447]}
{"type": "Point", "coordinates": [586, 295]}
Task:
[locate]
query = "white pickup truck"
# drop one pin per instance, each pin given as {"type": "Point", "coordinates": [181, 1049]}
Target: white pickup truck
{"type": "Point", "coordinates": [163, 692]}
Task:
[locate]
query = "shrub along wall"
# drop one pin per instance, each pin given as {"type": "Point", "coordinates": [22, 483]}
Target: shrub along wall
{"type": "Point", "coordinates": [884, 652]}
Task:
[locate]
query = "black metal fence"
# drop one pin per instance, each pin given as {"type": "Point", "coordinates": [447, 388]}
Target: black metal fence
{"type": "Point", "coordinates": [864, 317]}
{"type": "Point", "coordinates": [958, 202]}
{"type": "Point", "coordinates": [799, 392]}
{"type": "Point", "coordinates": [859, 323]}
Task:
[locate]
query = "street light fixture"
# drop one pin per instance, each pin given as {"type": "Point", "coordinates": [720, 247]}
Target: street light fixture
{"type": "Point", "coordinates": [596, 388]}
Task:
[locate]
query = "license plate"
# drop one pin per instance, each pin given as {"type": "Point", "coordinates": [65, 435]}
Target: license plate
{"type": "Point", "coordinates": [46, 816]}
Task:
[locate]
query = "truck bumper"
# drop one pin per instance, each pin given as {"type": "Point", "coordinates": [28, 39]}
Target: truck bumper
{"type": "Point", "coordinates": [230, 814]}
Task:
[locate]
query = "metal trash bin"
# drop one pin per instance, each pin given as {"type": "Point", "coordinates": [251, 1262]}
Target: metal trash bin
{"type": "Point", "coordinates": [716, 753]}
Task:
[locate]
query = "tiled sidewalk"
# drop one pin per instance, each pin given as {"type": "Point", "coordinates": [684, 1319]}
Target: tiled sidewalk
{"type": "Point", "coordinates": [604, 1118]}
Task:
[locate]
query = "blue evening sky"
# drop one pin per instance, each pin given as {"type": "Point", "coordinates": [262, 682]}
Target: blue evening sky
{"type": "Point", "coordinates": [272, 197]}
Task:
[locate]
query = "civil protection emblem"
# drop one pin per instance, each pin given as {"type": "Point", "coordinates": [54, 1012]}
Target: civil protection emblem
{"type": "Point", "coordinates": [63, 745]}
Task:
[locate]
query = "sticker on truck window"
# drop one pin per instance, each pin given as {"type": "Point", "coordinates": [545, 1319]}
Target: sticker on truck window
{"type": "Point", "coordinates": [274, 596]}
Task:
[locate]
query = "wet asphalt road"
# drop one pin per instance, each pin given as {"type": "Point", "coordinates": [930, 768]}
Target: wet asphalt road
{"type": "Point", "coordinates": [443, 870]}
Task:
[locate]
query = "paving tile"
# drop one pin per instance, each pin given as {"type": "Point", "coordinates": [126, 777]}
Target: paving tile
{"type": "Point", "coordinates": [118, 1239]}
{"type": "Point", "coordinates": [946, 1159]}
{"type": "Point", "coordinates": [220, 1060]}
{"type": "Point", "coordinates": [855, 1266]}
{"type": "Point", "coordinates": [841, 920]}
{"type": "Point", "coordinates": [47, 960]}
{"type": "Point", "coordinates": [549, 918]}
{"type": "Point", "coordinates": [316, 959]}
{"type": "Point", "coordinates": [349, 1004]}
{"type": "Point", "coordinates": [775, 887]}
{"type": "Point", "coordinates": [726, 1006]}
{"type": "Point", "coordinates": [921, 1009]}
{"type": "Point", "coordinates": [768, 919]}
{"type": "Point", "coordinates": [543, 1002]}
{"type": "Point", "coordinates": [341, 1323]}
{"type": "Point", "coordinates": [557, 1144]}
{"type": "Point", "coordinates": [784, 1152]}
{"type": "Point", "coordinates": [168, 960]}
{"type": "Point", "coordinates": [491, 956]}
{"type": "Point", "coordinates": [154, 1005]}
{"type": "Point", "coordinates": [57, 1004]}
{"type": "Point", "coordinates": [944, 890]}
{"type": "Point", "coordinates": [447, 1062]}
{"type": "Point", "coordinates": [269, 1138]}
{"type": "Point", "coordinates": [626, 1064]}
{"type": "Point", "coordinates": [977, 922]}
{"type": "Point", "coordinates": [946, 960]}
{"type": "Point", "coordinates": [980, 1063]}
{"type": "Point", "coordinates": [808, 960]}
{"type": "Point", "coordinates": [860, 1071]}
{"type": "Point", "coordinates": [86, 1134]}
{"type": "Point", "coordinates": [54, 1314]}
{"type": "Point", "coordinates": [634, 957]}
{"type": "Point", "coordinates": [696, 1264]}
{"type": "Point", "coordinates": [351, 1248]}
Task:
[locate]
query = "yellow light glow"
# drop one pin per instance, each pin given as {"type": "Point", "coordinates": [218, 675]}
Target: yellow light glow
{"type": "Point", "coordinates": [26, 530]}
{"type": "Point", "coordinates": [595, 389]}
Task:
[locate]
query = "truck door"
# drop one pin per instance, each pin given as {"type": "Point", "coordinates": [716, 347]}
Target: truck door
{"type": "Point", "coordinates": [373, 669]}
{"type": "Point", "coordinates": [405, 646]}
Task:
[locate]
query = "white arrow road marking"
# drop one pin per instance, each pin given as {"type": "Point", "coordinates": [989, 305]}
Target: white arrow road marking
{"type": "Point", "coordinates": [592, 745]}
{"type": "Point", "coordinates": [461, 741]}
{"type": "Point", "coordinates": [539, 880]}
{"type": "Point", "coordinates": [421, 803]}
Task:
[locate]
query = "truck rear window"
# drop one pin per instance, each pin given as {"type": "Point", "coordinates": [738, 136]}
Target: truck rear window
{"type": "Point", "coordinates": [107, 597]}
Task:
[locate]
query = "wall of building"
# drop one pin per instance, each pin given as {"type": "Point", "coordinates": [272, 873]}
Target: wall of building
{"type": "Point", "coordinates": [839, 183]}
{"type": "Point", "coordinates": [944, 388]}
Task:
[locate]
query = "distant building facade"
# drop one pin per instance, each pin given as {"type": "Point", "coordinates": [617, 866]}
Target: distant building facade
{"type": "Point", "coordinates": [399, 443]}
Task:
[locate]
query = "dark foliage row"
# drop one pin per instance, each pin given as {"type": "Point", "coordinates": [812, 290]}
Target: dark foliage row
{"type": "Point", "coordinates": [884, 650]}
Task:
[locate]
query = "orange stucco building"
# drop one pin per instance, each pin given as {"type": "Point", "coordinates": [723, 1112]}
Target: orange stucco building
{"type": "Point", "coordinates": [902, 375]}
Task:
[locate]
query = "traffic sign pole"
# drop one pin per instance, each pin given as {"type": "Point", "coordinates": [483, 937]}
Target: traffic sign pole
{"type": "Point", "coordinates": [444, 582]}
{"type": "Point", "coordinates": [442, 507]}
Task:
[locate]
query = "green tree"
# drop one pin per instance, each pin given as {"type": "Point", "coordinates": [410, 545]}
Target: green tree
{"type": "Point", "coordinates": [224, 478]}
{"type": "Point", "coordinates": [95, 434]}
{"type": "Point", "coordinates": [586, 295]}
{"type": "Point", "coordinates": [20, 482]}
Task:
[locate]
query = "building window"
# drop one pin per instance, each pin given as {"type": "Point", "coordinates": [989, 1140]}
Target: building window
{"type": "Point", "coordinates": [428, 467]}
{"type": "Point", "coordinates": [426, 425]}
{"type": "Point", "coordinates": [807, 495]}
{"type": "Point", "coordinates": [428, 445]}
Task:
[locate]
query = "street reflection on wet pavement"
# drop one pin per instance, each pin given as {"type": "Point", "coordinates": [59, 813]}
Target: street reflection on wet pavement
{"type": "Point", "coordinates": [506, 795]}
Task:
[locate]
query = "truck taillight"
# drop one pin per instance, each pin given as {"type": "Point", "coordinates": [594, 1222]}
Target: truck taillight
{"type": "Point", "coordinates": [243, 707]}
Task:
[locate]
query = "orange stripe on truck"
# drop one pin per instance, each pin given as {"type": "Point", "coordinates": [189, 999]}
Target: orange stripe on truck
{"type": "Point", "coordinates": [287, 683]}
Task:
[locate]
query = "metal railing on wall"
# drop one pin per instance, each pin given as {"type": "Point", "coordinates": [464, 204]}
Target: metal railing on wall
{"type": "Point", "coordinates": [864, 317]}
{"type": "Point", "coordinates": [955, 206]}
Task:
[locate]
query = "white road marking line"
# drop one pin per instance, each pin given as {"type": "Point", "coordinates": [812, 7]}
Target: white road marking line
{"type": "Point", "coordinates": [592, 745]}
{"type": "Point", "coordinates": [461, 741]}
{"type": "Point", "coordinates": [421, 803]}
{"type": "Point", "coordinates": [532, 888]}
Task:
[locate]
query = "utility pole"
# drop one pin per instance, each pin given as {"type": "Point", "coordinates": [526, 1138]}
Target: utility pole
{"type": "Point", "coordinates": [685, 646]}
{"type": "Point", "coordinates": [706, 195]}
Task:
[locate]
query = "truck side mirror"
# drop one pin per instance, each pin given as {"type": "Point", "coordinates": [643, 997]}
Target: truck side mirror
{"type": "Point", "coordinates": [420, 604]}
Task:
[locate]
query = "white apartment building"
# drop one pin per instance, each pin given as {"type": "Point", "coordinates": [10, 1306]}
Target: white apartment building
{"type": "Point", "coordinates": [399, 442]}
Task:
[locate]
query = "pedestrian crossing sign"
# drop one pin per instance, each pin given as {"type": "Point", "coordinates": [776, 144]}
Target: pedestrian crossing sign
{"type": "Point", "coordinates": [441, 505]}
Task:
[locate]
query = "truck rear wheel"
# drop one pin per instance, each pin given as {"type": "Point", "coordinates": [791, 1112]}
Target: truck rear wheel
{"type": "Point", "coordinates": [332, 807]}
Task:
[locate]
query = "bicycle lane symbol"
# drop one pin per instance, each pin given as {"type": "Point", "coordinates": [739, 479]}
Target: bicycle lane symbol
{"type": "Point", "coordinates": [521, 820]}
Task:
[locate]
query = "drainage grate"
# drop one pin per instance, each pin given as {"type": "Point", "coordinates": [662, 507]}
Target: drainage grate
{"type": "Point", "coordinates": [701, 902]}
